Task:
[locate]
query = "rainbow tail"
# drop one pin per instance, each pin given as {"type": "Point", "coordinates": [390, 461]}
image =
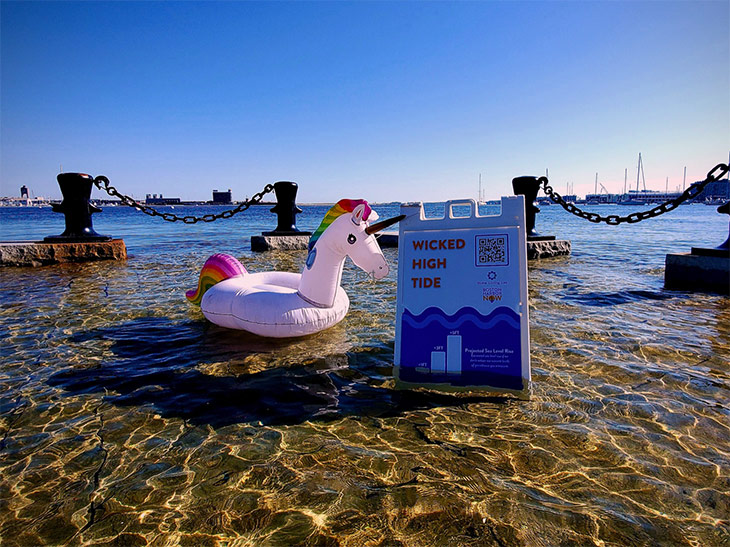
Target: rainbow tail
{"type": "Point", "coordinates": [217, 268]}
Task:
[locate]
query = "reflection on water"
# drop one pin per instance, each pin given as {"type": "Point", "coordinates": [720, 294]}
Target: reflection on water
{"type": "Point", "coordinates": [126, 418]}
{"type": "Point", "coordinates": [225, 378]}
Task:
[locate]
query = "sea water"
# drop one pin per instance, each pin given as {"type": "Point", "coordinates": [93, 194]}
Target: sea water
{"type": "Point", "coordinates": [126, 417]}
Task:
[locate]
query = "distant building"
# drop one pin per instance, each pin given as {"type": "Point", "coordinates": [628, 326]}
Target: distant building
{"type": "Point", "coordinates": [648, 196]}
{"type": "Point", "coordinates": [602, 198]}
{"type": "Point", "coordinates": [24, 192]}
{"type": "Point", "coordinates": [157, 199]}
{"type": "Point", "coordinates": [222, 198]}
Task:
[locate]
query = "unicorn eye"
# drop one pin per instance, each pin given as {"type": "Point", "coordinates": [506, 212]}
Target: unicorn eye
{"type": "Point", "coordinates": [351, 239]}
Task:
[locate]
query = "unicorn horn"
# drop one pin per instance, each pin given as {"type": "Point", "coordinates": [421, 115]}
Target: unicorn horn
{"type": "Point", "coordinates": [383, 224]}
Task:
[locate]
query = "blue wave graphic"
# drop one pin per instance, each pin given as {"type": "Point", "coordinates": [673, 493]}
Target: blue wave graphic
{"type": "Point", "coordinates": [478, 349]}
{"type": "Point", "coordinates": [464, 315]}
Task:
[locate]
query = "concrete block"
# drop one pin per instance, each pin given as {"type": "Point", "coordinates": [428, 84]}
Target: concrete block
{"type": "Point", "coordinates": [40, 253]}
{"type": "Point", "coordinates": [279, 243]}
{"type": "Point", "coordinates": [547, 248]}
{"type": "Point", "coordinates": [691, 272]}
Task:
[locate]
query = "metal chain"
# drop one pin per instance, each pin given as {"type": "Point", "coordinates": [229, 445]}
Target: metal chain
{"type": "Point", "coordinates": [171, 217]}
{"type": "Point", "coordinates": [719, 171]}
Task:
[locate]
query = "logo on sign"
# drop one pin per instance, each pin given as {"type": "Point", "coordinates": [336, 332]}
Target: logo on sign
{"type": "Point", "coordinates": [491, 295]}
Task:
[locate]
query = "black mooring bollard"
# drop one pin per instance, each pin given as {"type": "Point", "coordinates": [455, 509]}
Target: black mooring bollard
{"type": "Point", "coordinates": [725, 208]}
{"type": "Point", "coordinates": [76, 191]}
{"type": "Point", "coordinates": [722, 250]}
{"type": "Point", "coordinates": [529, 187]}
{"type": "Point", "coordinates": [286, 210]}
{"type": "Point", "coordinates": [286, 236]}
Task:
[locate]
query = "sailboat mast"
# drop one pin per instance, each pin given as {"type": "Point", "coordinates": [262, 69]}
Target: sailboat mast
{"type": "Point", "coordinates": [643, 178]}
{"type": "Point", "coordinates": [638, 170]}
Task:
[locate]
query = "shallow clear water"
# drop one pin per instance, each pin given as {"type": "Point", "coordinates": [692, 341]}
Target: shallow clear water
{"type": "Point", "coordinates": [125, 417]}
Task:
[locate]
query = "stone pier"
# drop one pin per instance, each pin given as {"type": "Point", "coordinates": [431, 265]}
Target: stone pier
{"type": "Point", "coordinates": [264, 243]}
{"type": "Point", "coordinates": [41, 253]}
{"type": "Point", "coordinates": [547, 249]}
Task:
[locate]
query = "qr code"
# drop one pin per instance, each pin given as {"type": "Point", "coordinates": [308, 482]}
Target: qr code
{"type": "Point", "coordinates": [491, 250]}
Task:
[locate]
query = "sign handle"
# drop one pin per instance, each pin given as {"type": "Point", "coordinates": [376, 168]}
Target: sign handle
{"type": "Point", "coordinates": [461, 202]}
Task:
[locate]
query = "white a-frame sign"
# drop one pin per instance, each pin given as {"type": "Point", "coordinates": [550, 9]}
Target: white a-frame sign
{"type": "Point", "coordinates": [462, 312]}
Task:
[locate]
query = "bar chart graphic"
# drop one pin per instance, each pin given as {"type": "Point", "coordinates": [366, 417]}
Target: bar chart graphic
{"type": "Point", "coordinates": [438, 361]}
{"type": "Point", "coordinates": [453, 354]}
{"type": "Point", "coordinates": [448, 361]}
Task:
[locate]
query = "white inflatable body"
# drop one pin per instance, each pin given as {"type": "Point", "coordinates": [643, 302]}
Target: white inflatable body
{"type": "Point", "coordinates": [268, 304]}
{"type": "Point", "coordinates": [284, 304]}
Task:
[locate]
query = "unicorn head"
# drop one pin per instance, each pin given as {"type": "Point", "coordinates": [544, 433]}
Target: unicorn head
{"type": "Point", "coordinates": [344, 231]}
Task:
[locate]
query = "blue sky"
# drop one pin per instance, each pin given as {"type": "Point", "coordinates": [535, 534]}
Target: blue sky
{"type": "Point", "coordinates": [384, 101]}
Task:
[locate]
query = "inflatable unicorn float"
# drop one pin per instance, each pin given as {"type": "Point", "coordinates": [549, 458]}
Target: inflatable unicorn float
{"type": "Point", "coordinates": [287, 304]}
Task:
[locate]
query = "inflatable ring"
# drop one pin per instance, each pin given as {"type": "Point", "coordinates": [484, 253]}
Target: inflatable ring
{"type": "Point", "coordinates": [268, 304]}
{"type": "Point", "coordinates": [284, 304]}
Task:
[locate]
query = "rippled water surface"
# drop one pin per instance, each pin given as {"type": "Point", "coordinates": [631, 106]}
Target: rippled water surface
{"type": "Point", "coordinates": [127, 419]}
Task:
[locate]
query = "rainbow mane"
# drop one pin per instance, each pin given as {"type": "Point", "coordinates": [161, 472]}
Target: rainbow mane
{"type": "Point", "coordinates": [217, 268]}
{"type": "Point", "coordinates": [340, 208]}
